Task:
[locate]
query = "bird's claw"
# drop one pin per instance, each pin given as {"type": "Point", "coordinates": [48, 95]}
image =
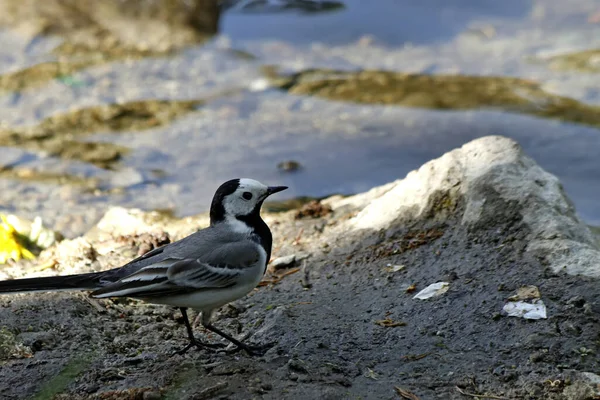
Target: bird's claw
{"type": "Point", "coordinates": [258, 350]}
{"type": "Point", "coordinates": [200, 345]}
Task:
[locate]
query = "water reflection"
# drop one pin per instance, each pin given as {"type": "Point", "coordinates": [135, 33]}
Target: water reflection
{"type": "Point", "coordinates": [270, 6]}
{"type": "Point", "coordinates": [393, 22]}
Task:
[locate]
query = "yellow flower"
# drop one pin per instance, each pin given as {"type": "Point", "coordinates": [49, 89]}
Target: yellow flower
{"type": "Point", "coordinates": [11, 244]}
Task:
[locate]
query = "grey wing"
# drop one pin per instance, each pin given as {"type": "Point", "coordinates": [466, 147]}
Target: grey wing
{"type": "Point", "coordinates": [219, 268]}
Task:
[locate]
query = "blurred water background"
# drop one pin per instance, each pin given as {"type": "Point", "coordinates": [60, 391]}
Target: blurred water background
{"type": "Point", "coordinates": [153, 103]}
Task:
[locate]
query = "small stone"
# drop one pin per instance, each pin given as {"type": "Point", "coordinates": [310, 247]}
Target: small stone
{"type": "Point", "coordinates": [313, 209]}
{"type": "Point", "coordinates": [232, 310]}
{"type": "Point", "coordinates": [343, 381]}
{"type": "Point", "coordinates": [91, 388]}
{"type": "Point", "coordinates": [537, 356]}
{"type": "Point", "coordinates": [124, 342]}
{"type": "Point", "coordinates": [37, 340]}
{"type": "Point", "coordinates": [306, 378]}
{"type": "Point", "coordinates": [283, 262]}
{"type": "Point", "coordinates": [289, 166]}
{"type": "Point", "coordinates": [127, 177]}
{"type": "Point", "coordinates": [151, 395]}
{"type": "Point", "coordinates": [133, 361]}
{"type": "Point", "coordinates": [571, 329]}
{"type": "Point", "coordinates": [591, 377]}
{"type": "Point", "coordinates": [297, 365]}
{"type": "Point", "coordinates": [577, 301]}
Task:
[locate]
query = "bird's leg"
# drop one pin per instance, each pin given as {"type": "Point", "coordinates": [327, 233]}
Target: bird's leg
{"type": "Point", "coordinates": [252, 350]}
{"type": "Point", "coordinates": [193, 341]}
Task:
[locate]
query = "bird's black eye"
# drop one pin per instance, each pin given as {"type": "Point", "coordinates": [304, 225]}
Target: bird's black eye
{"type": "Point", "coordinates": [247, 195]}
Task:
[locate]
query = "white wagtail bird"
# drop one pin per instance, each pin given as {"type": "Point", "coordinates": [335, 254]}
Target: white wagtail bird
{"type": "Point", "coordinates": [203, 271]}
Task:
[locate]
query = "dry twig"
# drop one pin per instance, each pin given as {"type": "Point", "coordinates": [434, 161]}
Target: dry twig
{"type": "Point", "coordinates": [415, 357]}
{"type": "Point", "coordinates": [277, 278]}
{"type": "Point", "coordinates": [210, 391]}
{"type": "Point", "coordinates": [480, 396]}
{"type": "Point", "coordinates": [405, 394]}
{"type": "Point", "coordinates": [296, 240]}
{"type": "Point", "coordinates": [390, 323]}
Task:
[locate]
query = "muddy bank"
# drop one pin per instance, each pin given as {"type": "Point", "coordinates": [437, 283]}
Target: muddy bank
{"type": "Point", "coordinates": [443, 92]}
{"type": "Point", "coordinates": [92, 33]}
{"type": "Point", "coordinates": [342, 317]}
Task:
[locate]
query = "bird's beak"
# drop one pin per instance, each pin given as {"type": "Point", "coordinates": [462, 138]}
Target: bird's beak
{"type": "Point", "coordinates": [275, 189]}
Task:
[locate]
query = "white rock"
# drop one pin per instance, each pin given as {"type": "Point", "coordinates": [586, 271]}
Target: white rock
{"type": "Point", "coordinates": [283, 262]}
{"type": "Point", "coordinates": [591, 377]}
{"type": "Point", "coordinates": [126, 177]}
{"type": "Point", "coordinates": [486, 174]}
{"type": "Point", "coordinates": [122, 221]}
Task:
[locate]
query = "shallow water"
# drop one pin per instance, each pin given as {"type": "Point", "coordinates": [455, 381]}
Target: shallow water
{"type": "Point", "coordinates": [227, 117]}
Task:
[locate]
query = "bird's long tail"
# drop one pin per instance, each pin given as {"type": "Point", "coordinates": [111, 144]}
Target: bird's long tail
{"type": "Point", "coordinates": [51, 283]}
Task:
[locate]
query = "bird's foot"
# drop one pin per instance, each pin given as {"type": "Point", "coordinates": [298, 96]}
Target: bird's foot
{"type": "Point", "coordinates": [258, 350]}
{"type": "Point", "coordinates": [199, 345]}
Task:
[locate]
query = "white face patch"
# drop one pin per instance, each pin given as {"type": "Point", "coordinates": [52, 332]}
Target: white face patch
{"type": "Point", "coordinates": [237, 226]}
{"type": "Point", "coordinates": [244, 200]}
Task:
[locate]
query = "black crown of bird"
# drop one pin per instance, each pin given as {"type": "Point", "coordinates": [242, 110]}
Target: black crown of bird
{"type": "Point", "coordinates": [203, 271]}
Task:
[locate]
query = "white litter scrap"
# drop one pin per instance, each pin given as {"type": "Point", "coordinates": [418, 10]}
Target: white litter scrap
{"type": "Point", "coordinates": [533, 310]}
{"type": "Point", "coordinates": [435, 289]}
{"type": "Point", "coordinates": [394, 268]}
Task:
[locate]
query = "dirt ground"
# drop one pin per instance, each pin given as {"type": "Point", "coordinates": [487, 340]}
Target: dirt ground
{"type": "Point", "coordinates": [343, 326]}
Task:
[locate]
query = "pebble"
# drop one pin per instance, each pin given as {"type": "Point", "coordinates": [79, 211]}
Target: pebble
{"type": "Point", "coordinates": [92, 388]}
{"type": "Point", "coordinates": [151, 395]}
{"type": "Point", "coordinates": [127, 177]}
{"type": "Point", "coordinates": [38, 340]}
{"type": "Point", "coordinates": [297, 365]}
{"type": "Point", "coordinates": [289, 166]}
{"type": "Point", "coordinates": [283, 262]}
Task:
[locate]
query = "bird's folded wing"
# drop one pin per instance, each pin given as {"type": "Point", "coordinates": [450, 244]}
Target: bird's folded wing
{"type": "Point", "coordinates": [172, 276]}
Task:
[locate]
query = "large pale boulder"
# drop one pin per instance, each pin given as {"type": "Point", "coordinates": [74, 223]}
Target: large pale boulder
{"type": "Point", "coordinates": [486, 176]}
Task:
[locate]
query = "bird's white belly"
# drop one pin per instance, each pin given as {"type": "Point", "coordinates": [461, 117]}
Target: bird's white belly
{"type": "Point", "coordinates": [209, 299]}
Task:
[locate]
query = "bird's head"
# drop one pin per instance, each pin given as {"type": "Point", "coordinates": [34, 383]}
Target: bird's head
{"type": "Point", "coordinates": [240, 199]}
